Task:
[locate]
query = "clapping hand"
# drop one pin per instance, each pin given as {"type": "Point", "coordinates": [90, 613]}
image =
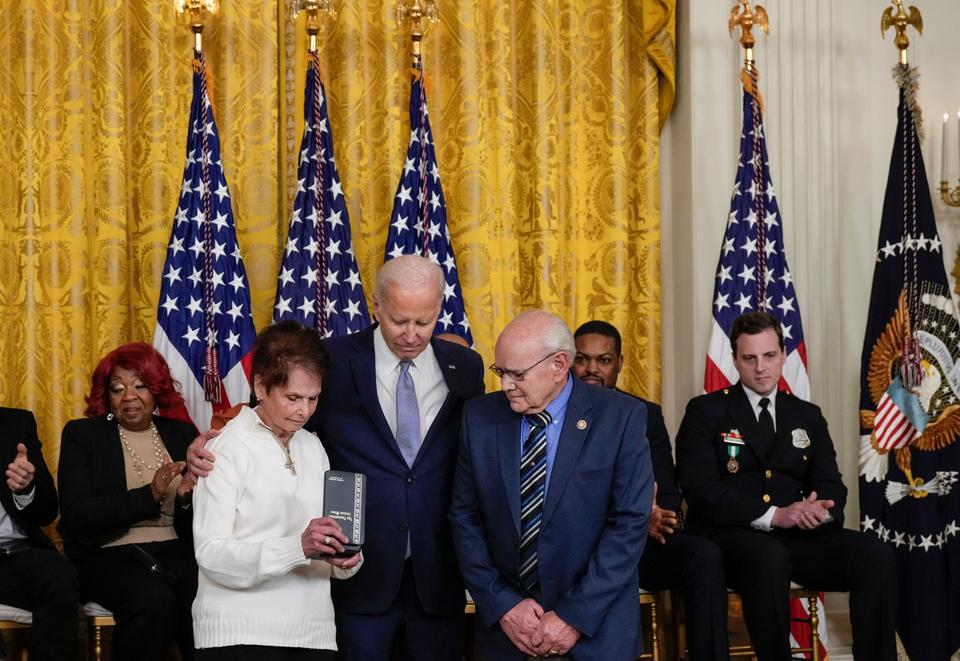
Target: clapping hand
{"type": "Point", "coordinates": [164, 476]}
{"type": "Point", "coordinates": [20, 471]}
{"type": "Point", "coordinates": [187, 483]}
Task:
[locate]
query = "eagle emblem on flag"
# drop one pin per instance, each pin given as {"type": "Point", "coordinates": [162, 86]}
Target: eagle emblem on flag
{"type": "Point", "coordinates": [923, 417]}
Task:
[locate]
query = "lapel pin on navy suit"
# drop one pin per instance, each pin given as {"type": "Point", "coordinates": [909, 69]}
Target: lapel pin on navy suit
{"type": "Point", "coordinates": [581, 424]}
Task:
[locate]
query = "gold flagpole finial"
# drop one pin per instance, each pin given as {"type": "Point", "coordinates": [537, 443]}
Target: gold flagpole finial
{"type": "Point", "coordinates": [413, 12]}
{"type": "Point", "coordinates": [313, 9]}
{"type": "Point", "coordinates": [195, 9]}
{"type": "Point", "coordinates": [899, 20]}
{"type": "Point", "coordinates": [747, 19]}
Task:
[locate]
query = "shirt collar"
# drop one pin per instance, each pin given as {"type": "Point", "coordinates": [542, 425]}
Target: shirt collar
{"type": "Point", "coordinates": [754, 397]}
{"type": "Point", "coordinates": [558, 405]}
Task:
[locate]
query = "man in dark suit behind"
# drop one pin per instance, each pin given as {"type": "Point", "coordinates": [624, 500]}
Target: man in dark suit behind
{"type": "Point", "coordinates": [669, 560]}
{"type": "Point", "coordinates": [759, 472]}
{"type": "Point", "coordinates": [552, 496]}
{"type": "Point", "coordinates": [33, 576]}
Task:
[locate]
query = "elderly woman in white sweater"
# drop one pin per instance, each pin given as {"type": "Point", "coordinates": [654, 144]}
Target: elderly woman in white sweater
{"type": "Point", "coordinates": [265, 559]}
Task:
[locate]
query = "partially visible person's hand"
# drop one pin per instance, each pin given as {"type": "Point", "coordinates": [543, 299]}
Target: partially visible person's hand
{"type": "Point", "coordinates": [805, 514]}
{"type": "Point", "coordinates": [664, 524]}
{"type": "Point", "coordinates": [662, 521]}
{"type": "Point", "coordinates": [20, 471]}
{"type": "Point", "coordinates": [199, 458]}
{"type": "Point", "coordinates": [344, 563]}
{"type": "Point", "coordinates": [521, 624]}
{"type": "Point", "coordinates": [558, 636]}
{"type": "Point", "coordinates": [322, 537]}
{"type": "Point", "coordinates": [164, 476]}
{"type": "Point", "coordinates": [187, 484]}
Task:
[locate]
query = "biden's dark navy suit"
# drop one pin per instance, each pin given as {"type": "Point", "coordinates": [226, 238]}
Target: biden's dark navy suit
{"type": "Point", "coordinates": [593, 529]}
{"type": "Point", "coordinates": [402, 501]}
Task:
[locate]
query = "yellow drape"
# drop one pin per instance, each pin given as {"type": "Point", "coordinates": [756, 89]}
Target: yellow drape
{"type": "Point", "coordinates": [546, 116]}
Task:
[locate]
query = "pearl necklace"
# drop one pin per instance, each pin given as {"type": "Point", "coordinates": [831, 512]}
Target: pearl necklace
{"type": "Point", "coordinates": [138, 463]}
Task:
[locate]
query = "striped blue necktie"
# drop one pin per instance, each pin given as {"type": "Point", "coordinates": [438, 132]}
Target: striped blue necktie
{"type": "Point", "coordinates": [533, 481]}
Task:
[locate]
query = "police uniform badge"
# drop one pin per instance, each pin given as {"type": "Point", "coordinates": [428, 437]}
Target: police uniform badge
{"type": "Point", "coordinates": [733, 441]}
{"type": "Point", "coordinates": [800, 439]}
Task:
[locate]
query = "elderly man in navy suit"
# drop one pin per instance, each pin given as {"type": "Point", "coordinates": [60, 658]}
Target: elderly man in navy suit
{"type": "Point", "coordinates": [553, 492]}
{"type": "Point", "coordinates": [390, 409]}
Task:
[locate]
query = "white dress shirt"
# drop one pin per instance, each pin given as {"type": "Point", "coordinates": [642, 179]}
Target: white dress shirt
{"type": "Point", "coordinates": [10, 531]}
{"type": "Point", "coordinates": [427, 377]}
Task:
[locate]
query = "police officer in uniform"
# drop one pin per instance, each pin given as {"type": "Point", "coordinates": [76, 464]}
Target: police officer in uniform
{"type": "Point", "coordinates": [759, 472]}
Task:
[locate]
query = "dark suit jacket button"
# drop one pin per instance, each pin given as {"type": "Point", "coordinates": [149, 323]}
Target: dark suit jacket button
{"type": "Point", "coordinates": [404, 527]}
{"type": "Point", "coordinates": [410, 480]}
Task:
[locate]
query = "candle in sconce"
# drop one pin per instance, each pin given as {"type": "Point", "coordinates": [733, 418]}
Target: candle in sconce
{"type": "Point", "coordinates": [958, 141]}
{"type": "Point", "coordinates": [943, 148]}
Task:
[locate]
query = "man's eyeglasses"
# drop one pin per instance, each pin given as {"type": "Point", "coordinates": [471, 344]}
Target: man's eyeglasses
{"type": "Point", "coordinates": [518, 375]}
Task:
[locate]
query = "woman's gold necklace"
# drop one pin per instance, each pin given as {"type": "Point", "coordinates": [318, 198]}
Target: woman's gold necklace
{"type": "Point", "coordinates": [289, 463]}
{"type": "Point", "coordinates": [285, 448]}
{"type": "Point", "coordinates": [138, 463]}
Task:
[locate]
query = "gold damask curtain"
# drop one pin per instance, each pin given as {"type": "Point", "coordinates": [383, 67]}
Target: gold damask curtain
{"type": "Point", "coordinates": [546, 114]}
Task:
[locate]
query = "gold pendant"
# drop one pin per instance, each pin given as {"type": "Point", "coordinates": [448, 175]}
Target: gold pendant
{"type": "Point", "coordinates": [733, 466]}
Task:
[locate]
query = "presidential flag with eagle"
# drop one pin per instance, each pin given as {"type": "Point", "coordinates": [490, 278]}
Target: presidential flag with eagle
{"type": "Point", "coordinates": [910, 400]}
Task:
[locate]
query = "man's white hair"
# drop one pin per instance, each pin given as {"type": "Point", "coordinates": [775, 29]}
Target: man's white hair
{"type": "Point", "coordinates": [552, 332]}
{"type": "Point", "coordinates": [411, 272]}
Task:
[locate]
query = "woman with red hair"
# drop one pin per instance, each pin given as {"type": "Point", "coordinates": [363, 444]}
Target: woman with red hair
{"type": "Point", "coordinates": [125, 509]}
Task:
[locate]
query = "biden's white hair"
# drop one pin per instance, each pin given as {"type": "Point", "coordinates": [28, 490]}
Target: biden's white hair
{"type": "Point", "coordinates": [410, 272]}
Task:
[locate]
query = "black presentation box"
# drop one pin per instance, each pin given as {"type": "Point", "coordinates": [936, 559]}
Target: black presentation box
{"type": "Point", "coordinates": [345, 500]}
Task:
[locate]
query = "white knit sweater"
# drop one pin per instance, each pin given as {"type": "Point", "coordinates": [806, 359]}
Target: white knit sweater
{"type": "Point", "coordinates": [256, 587]}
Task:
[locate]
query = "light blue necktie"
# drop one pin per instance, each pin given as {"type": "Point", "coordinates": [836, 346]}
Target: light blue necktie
{"type": "Point", "coordinates": [408, 415]}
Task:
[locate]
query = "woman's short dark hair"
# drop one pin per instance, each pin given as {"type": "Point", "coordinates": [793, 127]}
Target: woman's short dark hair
{"type": "Point", "coordinates": [752, 323]}
{"type": "Point", "coordinates": [282, 347]}
{"type": "Point", "coordinates": [147, 362]}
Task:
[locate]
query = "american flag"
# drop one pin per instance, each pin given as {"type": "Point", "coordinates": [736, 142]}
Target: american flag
{"type": "Point", "coordinates": [204, 327]}
{"type": "Point", "coordinates": [319, 281]}
{"type": "Point", "coordinates": [418, 223]}
{"type": "Point", "coordinates": [900, 418]}
{"type": "Point", "coordinates": [752, 274]}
